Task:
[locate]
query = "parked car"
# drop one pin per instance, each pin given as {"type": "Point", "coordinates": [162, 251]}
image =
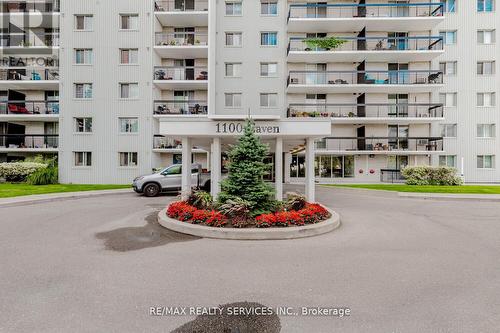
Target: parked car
{"type": "Point", "coordinates": [170, 180]}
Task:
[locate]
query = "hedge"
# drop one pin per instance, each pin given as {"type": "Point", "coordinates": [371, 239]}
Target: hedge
{"type": "Point", "coordinates": [427, 175]}
{"type": "Point", "coordinates": [19, 171]}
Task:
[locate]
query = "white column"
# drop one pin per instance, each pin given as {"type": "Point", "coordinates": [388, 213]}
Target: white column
{"type": "Point", "coordinates": [288, 162]}
{"type": "Point", "coordinates": [215, 174]}
{"type": "Point", "coordinates": [186, 167]}
{"type": "Point", "coordinates": [310, 189]}
{"type": "Point", "coordinates": [208, 159]}
{"type": "Point", "coordinates": [278, 166]}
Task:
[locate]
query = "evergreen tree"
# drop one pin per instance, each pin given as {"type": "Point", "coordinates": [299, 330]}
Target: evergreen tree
{"type": "Point", "coordinates": [246, 172]}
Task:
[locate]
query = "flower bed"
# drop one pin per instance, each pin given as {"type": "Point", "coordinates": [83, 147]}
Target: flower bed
{"type": "Point", "coordinates": [311, 213]}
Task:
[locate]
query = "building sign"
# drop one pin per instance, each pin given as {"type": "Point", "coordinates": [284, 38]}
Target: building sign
{"type": "Point", "coordinates": [237, 128]}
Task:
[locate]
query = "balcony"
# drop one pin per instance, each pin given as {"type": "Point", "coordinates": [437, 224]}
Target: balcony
{"type": "Point", "coordinates": [397, 81]}
{"type": "Point", "coordinates": [181, 45]}
{"type": "Point", "coordinates": [369, 113]}
{"type": "Point", "coordinates": [312, 17]}
{"type": "Point", "coordinates": [30, 6]}
{"type": "Point", "coordinates": [164, 144]}
{"type": "Point", "coordinates": [380, 49]}
{"type": "Point", "coordinates": [181, 13]}
{"type": "Point", "coordinates": [180, 78]}
{"type": "Point", "coordinates": [180, 108]}
{"type": "Point", "coordinates": [29, 40]}
{"type": "Point", "coordinates": [29, 110]}
{"type": "Point", "coordinates": [382, 145]}
{"type": "Point", "coordinates": [29, 78]}
{"type": "Point", "coordinates": [29, 143]}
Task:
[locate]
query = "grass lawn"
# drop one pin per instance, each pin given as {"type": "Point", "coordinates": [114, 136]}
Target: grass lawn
{"type": "Point", "coordinates": [8, 190]}
{"type": "Point", "coordinates": [465, 189]}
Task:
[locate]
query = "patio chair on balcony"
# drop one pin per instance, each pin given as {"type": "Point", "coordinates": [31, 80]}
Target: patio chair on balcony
{"type": "Point", "coordinates": [433, 78]}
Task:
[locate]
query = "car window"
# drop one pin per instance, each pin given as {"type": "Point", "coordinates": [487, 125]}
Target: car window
{"type": "Point", "coordinates": [174, 170]}
{"type": "Point", "coordinates": [194, 170]}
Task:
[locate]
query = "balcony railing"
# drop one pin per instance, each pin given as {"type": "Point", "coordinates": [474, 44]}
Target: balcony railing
{"type": "Point", "coordinates": [312, 10]}
{"type": "Point", "coordinates": [22, 39]}
{"type": "Point", "coordinates": [20, 141]}
{"type": "Point", "coordinates": [365, 77]}
{"type": "Point", "coordinates": [30, 6]}
{"type": "Point", "coordinates": [380, 144]}
{"type": "Point", "coordinates": [181, 5]}
{"type": "Point", "coordinates": [29, 107]}
{"type": "Point", "coordinates": [380, 110]}
{"type": "Point", "coordinates": [181, 39]}
{"type": "Point", "coordinates": [391, 176]}
{"type": "Point", "coordinates": [181, 73]}
{"type": "Point", "coordinates": [28, 74]}
{"type": "Point", "coordinates": [172, 107]}
{"type": "Point", "coordinates": [419, 43]}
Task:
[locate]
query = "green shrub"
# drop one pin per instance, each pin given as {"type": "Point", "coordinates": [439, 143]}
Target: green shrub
{"type": "Point", "coordinates": [19, 171]}
{"type": "Point", "coordinates": [327, 43]}
{"type": "Point", "coordinates": [45, 176]}
{"type": "Point", "coordinates": [427, 175]}
{"type": "Point", "coordinates": [200, 200]}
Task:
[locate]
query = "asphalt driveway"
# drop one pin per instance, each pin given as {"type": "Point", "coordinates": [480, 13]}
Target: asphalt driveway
{"type": "Point", "coordinates": [400, 265]}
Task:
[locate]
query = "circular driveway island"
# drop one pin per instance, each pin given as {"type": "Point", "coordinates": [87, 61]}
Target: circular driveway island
{"type": "Point", "coordinates": [398, 264]}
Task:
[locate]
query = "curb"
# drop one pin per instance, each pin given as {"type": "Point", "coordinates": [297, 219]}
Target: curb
{"type": "Point", "coordinates": [42, 198]}
{"type": "Point", "coordinates": [250, 234]}
{"type": "Point", "coordinates": [450, 196]}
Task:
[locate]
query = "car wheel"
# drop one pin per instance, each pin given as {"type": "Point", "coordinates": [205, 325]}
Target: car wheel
{"type": "Point", "coordinates": [151, 190]}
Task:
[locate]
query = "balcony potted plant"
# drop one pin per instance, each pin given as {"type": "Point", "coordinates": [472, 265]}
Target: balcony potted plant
{"type": "Point", "coordinates": [327, 43]}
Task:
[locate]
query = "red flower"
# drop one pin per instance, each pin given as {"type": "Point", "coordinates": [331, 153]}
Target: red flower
{"type": "Point", "coordinates": [216, 219]}
{"type": "Point", "coordinates": [265, 220]}
{"type": "Point", "coordinates": [200, 216]}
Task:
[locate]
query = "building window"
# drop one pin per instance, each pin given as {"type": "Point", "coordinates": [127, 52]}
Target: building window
{"type": "Point", "coordinates": [449, 130]}
{"type": "Point", "coordinates": [269, 69]}
{"type": "Point", "coordinates": [84, 22]}
{"type": "Point", "coordinates": [83, 125]}
{"type": "Point", "coordinates": [486, 130]}
{"type": "Point", "coordinates": [268, 100]}
{"type": "Point", "coordinates": [486, 99]}
{"type": "Point", "coordinates": [129, 90]}
{"type": "Point", "coordinates": [232, 100]}
{"type": "Point", "coordinates": [83, 56]}
{"type": "Point", "coordinates": [129, 56]}
{"type": "Point", "coordinates": [449, 5]}
{"type": "Point", "coordinates": [83, 158]}
{"type": "Point", "coordinates": [269, 8]}
{"type": "Point", "coordinates": [129, 125]}
{"type": "Point", "coordinates": [485, 67]}
{"type": "Point", "coordinates": [233, 38]}
{"type": "Point", "coordinates": [448, 99]}
{"type": "Point", "coordinates": [448, 161]}
{"type": "Point", "coordinates": [486, 36]}
{"type": "Point", "coordinates": [486, 161]}
{"type": "Point", "coordinates": [485, 5]}
{"type": "Point", "coordinates": [448, 67]}
{"type": "Point", "coordinates": [129, 22]}
{"type": "Point", "coordinates": [449, 37]}
{"type": "Point", "coordinates": [233, 69]}
{"type": "Point", "coordinates": [128, 159]}
{"type": "Point", "coordinates": [268, 38]}
{"type": "Point", "coordinates": [83, 90]}
{"type": "Point", "coordinates": [233, 8]}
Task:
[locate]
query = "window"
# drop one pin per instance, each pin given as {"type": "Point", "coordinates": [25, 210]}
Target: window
{"type": "Point", "coordinates": [269, 69]}
{"type": "Point", "coordinates": [128, 159]}
{"type": "Point", "coordinates": [448, 160]}
{"type": "Point", "coordinates": [448, 67]}
{"type": "Point", "coordinates": [268, 100]}
{"type": "Point", "coordinates": [485, 67]}
{"type": "Point", "coordinates": [129, 22]}
{"type": "Point", "coordinates": [232, 100]}
{"type": "Point", "coordinates": [448, 99]}
{"type": "Point", "coordinates": [129, 90]}
{"type": "Point", "coordinates": [83, 56]}
{"type": "Point", "coordinates": [486, 36]}
{"type": "Point", "coordinates": [83, 90]}
{"type": "Point", "coordinates": [449, 5]}
{"type": "Point", "coordinates": [449, 37]}
{"type": "Point", "coordinates": [449, 130]}
{"type": "Point", "coordinates": [83, 158]}
{"type": "Point", "coordinates": [233, 8]}
{"type": "Point", "coordinates": [268, 38]}
{"type": "Point", "coordinates": [233, 39]}
{"type": "Point", "coordinates": [486, 161]}
{"type": "Point", "coordinates": [486, 130]}
{"type": "Point", "coordinates": [486, 99]}
{"type": "Point", "coordinates": [233, 69]}
{"type": "Point", "coordinates": [129, 56]}
{"type": "Point", "coordinates": [129, 125]}
{"type": "Point", "coordinates": [269, 8]}
{"type": "Point", "coordinates": [83, 125]}
{"type": "Point", "coordinates": [84, 22]}
{"type": "Point", "coordinates": [485, 5]}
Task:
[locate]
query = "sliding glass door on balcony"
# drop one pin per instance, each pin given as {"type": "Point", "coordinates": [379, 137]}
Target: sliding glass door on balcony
{"type": "Point", "coordinates": [315, 74]}
{"type": "Point", "coordinates": [398, 105]}
{"type": "Point", "coordinates": [400, 9]}
{"type": "Point", "coordinates": [398, 74]}
{"type": "Point", "coordinates": [316, 10]}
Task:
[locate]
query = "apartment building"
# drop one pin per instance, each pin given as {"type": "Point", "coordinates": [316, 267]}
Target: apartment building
{"type": "Point", "coordinates": [342, 91]}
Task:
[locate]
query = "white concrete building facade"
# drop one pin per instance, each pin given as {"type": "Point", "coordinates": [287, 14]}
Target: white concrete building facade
{"type": "Point", "coordinates": [144, 84]}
